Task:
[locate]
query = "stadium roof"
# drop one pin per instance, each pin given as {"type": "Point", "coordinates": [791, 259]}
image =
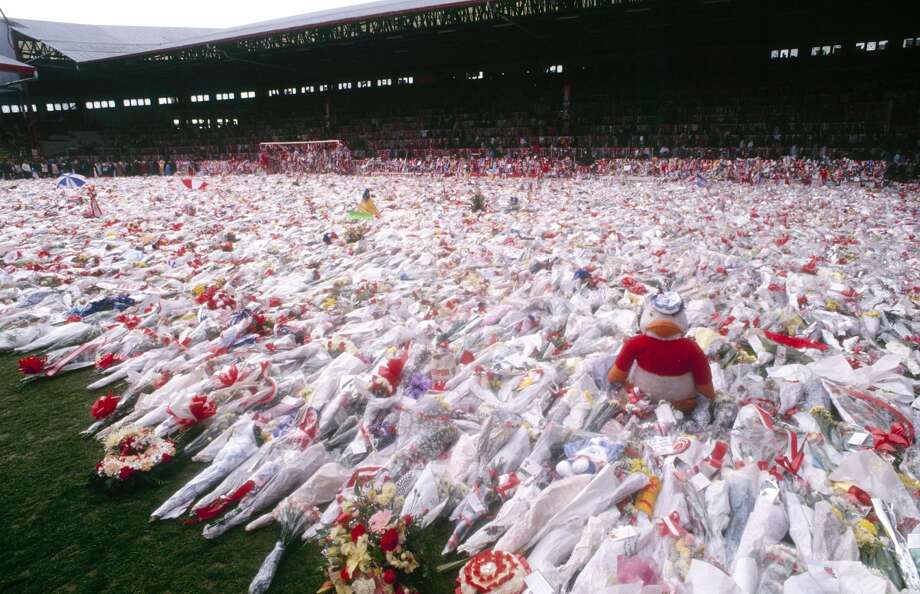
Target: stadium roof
{"type": "Point", "coordinates": [10, 65]}
{"type": "Point", "coordinates": [323, 18]}
{"type": "Point", "coordinates": [85, 43]}
{"type": "Point", "coordinates": [89, 43]}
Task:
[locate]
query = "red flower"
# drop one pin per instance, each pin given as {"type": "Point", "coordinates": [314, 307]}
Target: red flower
{"type": "Point", "coordinates": [357, 532]}
{"type": "Point", "coordinates": [399, 590]}
{"type": "Point", "coordinates": [274, 302]}
{"type": "Point", "coordinates": [104, 406]}
{"type": "Point", "coordinates": [229, 378]}
{"type": "Point", "coordinates": [125, 473]}
{"type": "Point", "coordinates": [407, 519]}
{"type": "Point", "coordinates": [165, 458]}
{"type": "Point", "coordinates": [202, 408]}
{"type": "Point", "coordinates": [389, 576]}
{"type": "Point", "coordinates": [344, 574]}
{"type": "Point", "coordinates": [107, 360]}
{"type": "Point", "coordinates": [130, 322]}
{"type": "Point", "coordinates": [389, 541]}
{"type": "Point", "coordinates": [32, 365]}
{"type": "Point", "coordinates": [392, 372]}
{"type": "Point", "coordinates": [467, 357]}
{"type": "Point", "coordinates": [343, 518]}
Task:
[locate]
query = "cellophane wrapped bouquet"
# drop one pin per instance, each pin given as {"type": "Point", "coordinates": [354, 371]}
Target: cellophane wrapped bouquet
{"type": "Point", "coordinates": [367, 547]}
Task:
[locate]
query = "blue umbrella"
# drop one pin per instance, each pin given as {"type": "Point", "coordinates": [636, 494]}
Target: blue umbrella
{"type": "Point", "coordinates": [70, 180]}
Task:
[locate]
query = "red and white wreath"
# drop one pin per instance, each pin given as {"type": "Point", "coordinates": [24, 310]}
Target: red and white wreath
{"type": "Point", "coordinates": [493, 572]}
{"type": "Point", "coordinates": [133, 450]}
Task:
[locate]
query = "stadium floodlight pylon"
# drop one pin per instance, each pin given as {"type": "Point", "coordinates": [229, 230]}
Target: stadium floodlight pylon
{"type": "Point", "coordinates": [308, 156]}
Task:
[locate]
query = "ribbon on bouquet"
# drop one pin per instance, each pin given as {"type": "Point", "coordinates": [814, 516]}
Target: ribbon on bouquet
{"type": "Point", "coordinates": [897, 437]}
{"type": "Point", "coordinates": [791, 461]}
{"type": "Point", "coordinates": [670, 525]}
{"type": "Point", "coordinates": [215, 508]}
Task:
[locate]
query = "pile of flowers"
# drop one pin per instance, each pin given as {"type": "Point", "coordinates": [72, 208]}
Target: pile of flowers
{"type": "Point", "coordinates": [366, 550]}
{"type": "Point", "coordinates": [132, 451]}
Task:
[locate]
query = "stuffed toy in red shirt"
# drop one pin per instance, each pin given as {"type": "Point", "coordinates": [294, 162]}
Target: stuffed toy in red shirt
{"type": "Point", "coordinates": [660, 362]}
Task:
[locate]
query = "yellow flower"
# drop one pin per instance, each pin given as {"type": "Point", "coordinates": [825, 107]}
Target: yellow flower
{"type": "Point", "coordinates": [525, 382]}
{"type": "Point", "coordinates": [832, 305]}
{"type": "Point", "coordinates": [386, 493]}
{"type": "Point", "coordinates": [329, 303]}
{"type": "Point", "coordinates": [405, 561]}
{"type": "Point", "coordinates": [198, 290]}
{"type": "Point", "coordinates": [357, 557]}
{"type": "Point", "coordinates": [911, 484]}
{"type": "Point", "coordinates": [866, 533]}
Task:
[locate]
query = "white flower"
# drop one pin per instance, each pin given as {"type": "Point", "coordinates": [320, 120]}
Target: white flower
{"type": "Point", "coordinates": [363, 586]}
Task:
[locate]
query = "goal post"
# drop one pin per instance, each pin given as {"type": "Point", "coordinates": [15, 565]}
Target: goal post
{"type": "Point", "coordinates": [307, 156]}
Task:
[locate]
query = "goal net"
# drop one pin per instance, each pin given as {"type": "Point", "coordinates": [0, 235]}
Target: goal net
{"type": "Point", "coordinates": [313, 156]}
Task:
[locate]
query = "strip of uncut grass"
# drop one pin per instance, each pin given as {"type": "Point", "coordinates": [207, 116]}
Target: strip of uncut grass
{"type": "Point", "coordinates": [60, 535]}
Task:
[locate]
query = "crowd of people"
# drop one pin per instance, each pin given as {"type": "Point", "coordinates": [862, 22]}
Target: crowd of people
{"type": "Point", "coordinates": [299, 159]}
{"type": "Point", "coordinates": [742, 138]}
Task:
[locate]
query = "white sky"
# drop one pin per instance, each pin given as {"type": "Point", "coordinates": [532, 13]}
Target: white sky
{"type": "Point", "coordinates": [165, 13]}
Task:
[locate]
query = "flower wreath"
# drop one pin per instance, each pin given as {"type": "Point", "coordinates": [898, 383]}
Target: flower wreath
{"type": "Point", "coordinates": [133, 450]}
{"type": "Point", "coordinates": [493, 572]}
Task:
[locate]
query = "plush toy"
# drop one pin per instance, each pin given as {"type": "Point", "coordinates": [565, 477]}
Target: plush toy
{"type": "Point", "coordinates": [588, 456]}
{"type": "Point", "coordinates": [661, 362]}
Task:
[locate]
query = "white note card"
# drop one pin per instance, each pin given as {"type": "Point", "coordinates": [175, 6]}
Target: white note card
{"type": "Point", "coordinates": [700, 481]}
{"type": "Point", "coordinates": [661, 446]}
{"type": "Point", "coordinates": [858, 438]}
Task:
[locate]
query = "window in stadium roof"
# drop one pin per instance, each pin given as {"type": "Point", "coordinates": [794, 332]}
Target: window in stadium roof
{"type": "Point", "coordinates": [365, 84]}
{"type": "Point", "coordinates": [60, 106]}
{"type": "Point", "coordinates": [18, 108]}
{"type": "Point", "coordinates": [474, 75]}
{"type": "Point", "coordinates": [871, 46]}
{"type": "Point", "coordinates": [344, 86]}
{"type": "Point", "coordinates": [307, 89]}
{"type": "Point", "coordinates": [201, 122]}
{"type": "Point", "coordinates": [782, 54]}
{"type": "Point", "coordinates": [224, 96]}
{"type": "Point", "coordinates": [384, 82]}
{"type": "Point", "coordinates": [910, 42]}
{"type": "Point", "coordinates": [105, 104]}
{"type": "Point", "coordinates": [274, 92]}
{"type": "Point", "coordinates": [136, 102]}
{"type": "Point", "coordinates": [290, 91]}
{"type": "Point", "coordinates": [247, 94]}
{"type": "Point", "coordinates": [177, 123]}
{"type": "Point", "coordinates": [405, 80]}
{"type": "Point", "coordinates": [323, 88]}
{"type": "Point", "coordinates": [825, 50]}
{"type": "Point", "coordinates": [200, 98]}
{"type": "Point", "coordinates": [166, 100]}
{"type": "Point", "coordinates": [554, 69]}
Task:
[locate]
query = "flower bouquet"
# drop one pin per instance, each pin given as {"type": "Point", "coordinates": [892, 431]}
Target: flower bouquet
{"type": "Point", "coordinates": [295, 515]}
{"type": "Point", "coordinates": [131, 452]}
{"type": "Point", "coordinates": [366, 548]}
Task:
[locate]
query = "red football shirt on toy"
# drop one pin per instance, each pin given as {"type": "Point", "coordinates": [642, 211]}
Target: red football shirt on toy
{"type": "Point", "coordinates": [666, 357]}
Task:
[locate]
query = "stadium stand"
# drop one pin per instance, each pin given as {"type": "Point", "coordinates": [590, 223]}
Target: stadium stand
{"type": "Point", "coordinates": [514, 79]}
